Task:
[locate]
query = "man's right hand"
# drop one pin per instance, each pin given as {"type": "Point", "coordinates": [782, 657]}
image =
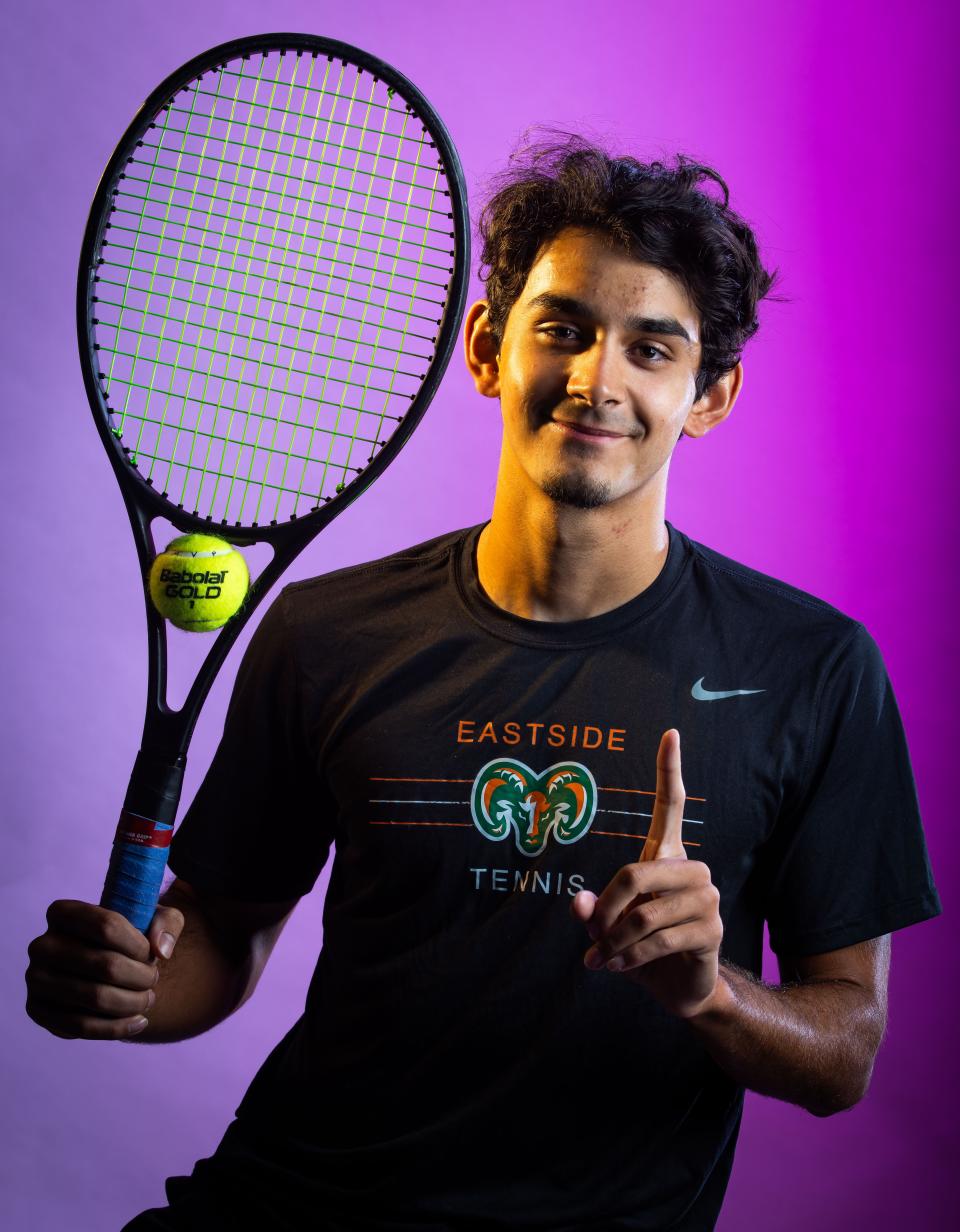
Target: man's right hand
{"type": "Point", "coordinates": [92, 974]}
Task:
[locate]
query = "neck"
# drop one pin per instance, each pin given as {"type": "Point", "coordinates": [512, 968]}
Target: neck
{"type": "Point", "coordinates": [545, 561]}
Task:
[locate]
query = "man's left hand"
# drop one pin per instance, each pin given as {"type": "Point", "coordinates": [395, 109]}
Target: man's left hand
{"type": "Point", "coordinates": [658, 923]}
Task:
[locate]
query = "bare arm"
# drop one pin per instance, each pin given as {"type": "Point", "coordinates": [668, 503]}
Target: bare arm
{"type": "Point", "coordinates": [215, 965]}
{"type": "Point", "coordinates": [812, 1042]}
{"type": "Point", "coordinates": [657, 924]}
{"type": "Point", "coordinates": [92, 975]}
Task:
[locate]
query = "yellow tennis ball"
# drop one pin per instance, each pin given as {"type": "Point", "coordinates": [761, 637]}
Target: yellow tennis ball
{"type": "Point", "coordinates": [198, 582]}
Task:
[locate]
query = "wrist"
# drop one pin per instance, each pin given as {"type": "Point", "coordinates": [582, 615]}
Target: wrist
{"type": "Point", "coordinates": [717, 1007]}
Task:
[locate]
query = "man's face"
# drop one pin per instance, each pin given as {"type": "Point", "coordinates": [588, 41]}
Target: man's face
{"type": "Point", "coordinates": [597, 371]}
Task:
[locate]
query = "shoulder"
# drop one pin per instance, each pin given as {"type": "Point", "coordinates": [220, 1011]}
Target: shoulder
{"type": "Point", "coordinates": [411, 572]}
{"type": "Point", "coordinates": [739, 581]}
{"type": "Point", "coordinates": [735, 576]}
{"type": "Point", "coordinates": [764, 611]}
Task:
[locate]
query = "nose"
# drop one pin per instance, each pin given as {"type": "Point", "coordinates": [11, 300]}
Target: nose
{"type": "Point", "coordinates": [596, 375]}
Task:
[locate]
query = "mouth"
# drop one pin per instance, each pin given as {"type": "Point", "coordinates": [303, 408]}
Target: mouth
{"type": "Point", "coordinates": [586, 432]}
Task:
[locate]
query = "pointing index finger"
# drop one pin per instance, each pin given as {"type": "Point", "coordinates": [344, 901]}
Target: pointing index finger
{"type": "Point", "coordinates": [664, 837]}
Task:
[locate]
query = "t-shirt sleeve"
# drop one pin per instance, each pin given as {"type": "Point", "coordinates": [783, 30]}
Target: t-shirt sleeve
{"type": "Point", "coordinates": [847, 859]}
{"type": "Point", "coordinates": [261, 825]}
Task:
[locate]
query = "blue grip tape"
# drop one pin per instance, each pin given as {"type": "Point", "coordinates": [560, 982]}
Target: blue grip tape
{"type": "Point", "coordinates": [136, 870]}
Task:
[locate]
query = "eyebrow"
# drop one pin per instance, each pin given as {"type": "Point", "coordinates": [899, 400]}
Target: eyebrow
{"type": "Point", "coordinates": [669, 326]}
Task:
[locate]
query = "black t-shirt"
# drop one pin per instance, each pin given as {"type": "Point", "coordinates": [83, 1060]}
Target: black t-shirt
{"type": "Point", "coordinates": [456, 1064]}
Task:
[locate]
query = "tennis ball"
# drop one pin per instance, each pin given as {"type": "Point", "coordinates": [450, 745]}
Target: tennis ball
{"type": "Point", "coordinates": [198, 582]}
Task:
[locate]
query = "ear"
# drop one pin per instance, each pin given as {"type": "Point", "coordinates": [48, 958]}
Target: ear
{"type": "Point", "coordinates": [715, 404]}
{"type": "Point", "coordinates": [481, 351]}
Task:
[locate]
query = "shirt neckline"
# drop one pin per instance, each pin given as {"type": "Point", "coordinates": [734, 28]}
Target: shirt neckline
{"type": "Point", "coordinates": [566, 634]}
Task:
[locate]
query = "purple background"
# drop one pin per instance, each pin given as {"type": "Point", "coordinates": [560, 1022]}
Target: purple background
{"type": "Point", "coordinates": [832, 123]}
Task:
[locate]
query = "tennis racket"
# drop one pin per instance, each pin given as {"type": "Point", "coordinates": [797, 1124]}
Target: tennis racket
{"type": "Point", "coordinates": [271, 284]}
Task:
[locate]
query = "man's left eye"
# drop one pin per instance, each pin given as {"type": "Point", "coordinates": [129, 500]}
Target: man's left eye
{"type": "Point", "coordinates": [654, 352]}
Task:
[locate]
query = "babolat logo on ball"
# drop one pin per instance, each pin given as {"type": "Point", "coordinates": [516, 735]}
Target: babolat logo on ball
{"type": "Point", "coordinates": [185, 584]}
{"type": "Point", "coordinates": [508, 797]}
{"type": "Point", "coordinates": [198, 582]}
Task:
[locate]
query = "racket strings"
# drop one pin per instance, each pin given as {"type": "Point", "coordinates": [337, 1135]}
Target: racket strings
{"type": "Point", "coordinates": [144, 422]}
{"type": "Point", "coordinates": [337, 323]}
{"type": "Point", "coordinates": [340, 226]}
{"type": "Point", "coordinates": [264, 283]}
{"type": "Point", "coordinates": [440, 212]}
{"type": "Point", "coordinates": [338, 148]}
{"type": "Point", "coordinates": [183, 300]}
{"type": "Point", "coordinates": [180, 366]}
{"type": "Point", "coordinates": [392, 271]}
{"type": "Point", "coordinates": [249, 203]}
{"type": "Point", "coordinates": [325, 90]}
{"type": "Point", "coordinates": [365, 284]}
{"type": "Point", "coordinates": [253, 338]}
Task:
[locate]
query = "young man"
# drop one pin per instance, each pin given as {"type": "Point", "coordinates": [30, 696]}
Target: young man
{"type": "Point", "coordinates": [538, 1000]}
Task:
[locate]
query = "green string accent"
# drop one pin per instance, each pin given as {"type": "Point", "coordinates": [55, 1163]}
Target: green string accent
{"type": "Point", "coordinates": [193, 287]}
{"type": "Point", "coordinates": [251, 332]}
{"type": "Point", "coordinates": [339, 146]}
{"type": "Point", "coordinates": [133, 366]}
{"type": "Point", "coordinates": [336, 335]}
{"type": "Point", "coordinates": [396, 371]}
{"type": "Point", "coordinates": [276, 230]}
{"type": "Point", "coordinates": [227, 183]}
{"type": "Point", "coordinates": [341, 97]}
{"type": "Point", "coordinates": [271, 448]}
{"type": "Point", "coordinates": [234, 101]}
{"type": "Point", "coordinates": [180, 299]}
{"type": "Point", "coordinates": [246, 276]}
{"type": "Point", "coordinates": [232, 381]}
{"type": "Point", "coordinates": [189, 260]}
{"type": "Point", "coordinates": [154, 292]}
{"type": "Point", "coordinates": [346, 463]}
{"type": "Point", "coordinates": [422, 282]}
{"type": "Point", "coordinates": [280, 453]}
{"type": "Point", "coordinates": [324, 310]}
{"type": "Point", "coordinates": [181, 153]}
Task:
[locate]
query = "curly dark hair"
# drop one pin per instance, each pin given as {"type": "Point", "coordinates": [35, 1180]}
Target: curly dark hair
{"type": "Point", "coordinates": [657, 212]}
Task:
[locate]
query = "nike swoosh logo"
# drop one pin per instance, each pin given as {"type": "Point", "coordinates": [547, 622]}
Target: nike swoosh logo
{"type": "Point", "coordinates": [707, 695]}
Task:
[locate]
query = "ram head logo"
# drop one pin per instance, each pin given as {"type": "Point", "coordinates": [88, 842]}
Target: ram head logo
{"type": "Point", "coordinates": [510, 798]}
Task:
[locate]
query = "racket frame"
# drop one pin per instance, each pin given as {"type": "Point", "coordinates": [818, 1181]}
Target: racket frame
{"type": "Point", "coordinates": [155, 783]}
{"type": "Point", "coordinates": [166, 730]}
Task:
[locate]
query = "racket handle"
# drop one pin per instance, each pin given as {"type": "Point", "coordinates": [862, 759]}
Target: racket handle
{"type": "Point", "coordinates": [139, 857]}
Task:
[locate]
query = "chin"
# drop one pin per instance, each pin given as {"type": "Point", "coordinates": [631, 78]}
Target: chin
{"type": "Point", "coordinates": [577, 491]}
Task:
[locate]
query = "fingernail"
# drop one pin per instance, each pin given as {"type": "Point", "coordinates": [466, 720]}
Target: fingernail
{"type": "Point", "coordinates": [166, 943]}
{"type": "Point", "coordinates": [136, 1026]}
{"type": "Point", "coordinates": [151, 997]}
{"type": "Point", "coordinates": [593, 960]}
{"type": "Point", "coordinates": [615, 964]}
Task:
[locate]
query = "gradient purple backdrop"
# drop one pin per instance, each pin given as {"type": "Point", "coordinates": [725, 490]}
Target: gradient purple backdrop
{"type": "Point", "coordinates": [833, 125]}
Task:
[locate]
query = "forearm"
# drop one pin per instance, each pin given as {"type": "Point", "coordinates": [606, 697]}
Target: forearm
{"type": "Point", "coordinates": [811, 1044]}
{"type": "Point", "coordinates": [202, 982]}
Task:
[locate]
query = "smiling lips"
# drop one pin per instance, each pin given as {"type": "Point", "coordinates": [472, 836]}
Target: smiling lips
{"type": "Point", "coordinates": [585, 433]}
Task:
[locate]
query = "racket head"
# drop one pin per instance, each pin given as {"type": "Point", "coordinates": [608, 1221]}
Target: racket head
{"type": "Point", "coordinates": [271, 283]}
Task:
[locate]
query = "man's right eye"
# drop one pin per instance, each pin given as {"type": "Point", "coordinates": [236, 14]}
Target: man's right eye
{"type": "Point", "coordinates": [564, 333]}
